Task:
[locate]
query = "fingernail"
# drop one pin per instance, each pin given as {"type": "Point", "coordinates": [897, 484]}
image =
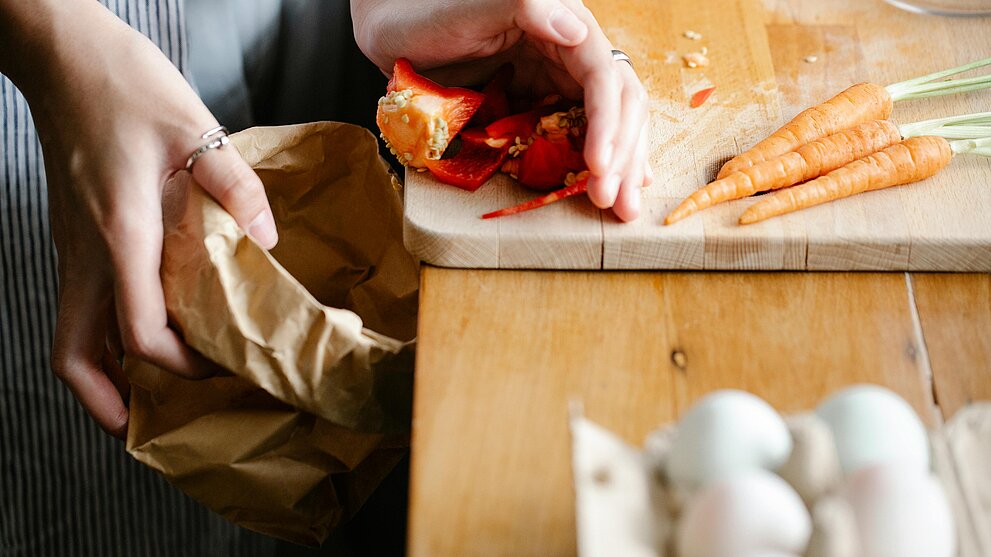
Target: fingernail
{"type": "Point", "coordinates": [263, 230]}
{"type": "Point", "coordinates": [607, 153]}
{"type": "Point", "coordinates": [567, 25]}
{"type": "Point", "coordinates": [635, 203]}
{"type": "Point", "coordinates": [611, 185]}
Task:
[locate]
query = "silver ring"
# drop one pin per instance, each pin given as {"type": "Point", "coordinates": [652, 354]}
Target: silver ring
{"type": "Point", "coordinates": [220, 139]}
{"type": "Point", "coordinates": [620, 56]}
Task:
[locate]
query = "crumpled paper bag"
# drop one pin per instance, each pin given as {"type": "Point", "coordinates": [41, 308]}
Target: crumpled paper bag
{"type": "Point", "coordinates": [316, 335]}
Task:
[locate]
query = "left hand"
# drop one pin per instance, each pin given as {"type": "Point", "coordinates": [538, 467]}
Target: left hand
{"type": "Point", "coordinates": [555, 46]}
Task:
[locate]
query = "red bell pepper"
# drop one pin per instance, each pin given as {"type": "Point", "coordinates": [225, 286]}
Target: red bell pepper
{"type": "Point", "coordinates": [580, 186]}
{"type": "Point", "coordinates": [472, 166]}
{"type": "Point", "coordinates": [418, 117]}
{"type": "Point", "coordinates": [496, 104]}
{"type": "Point", "coordinates": [523, 126]}
{"type": "Point", "coordinates": [699, 98]}
{"type": "Point", "coordinates": [545, 163]}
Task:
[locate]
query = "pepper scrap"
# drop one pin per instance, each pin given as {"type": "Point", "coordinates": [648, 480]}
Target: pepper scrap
{"type": "Point", "coordinates": [496, 103]}
{"type": "Point", "coordinates": [579, 185]}
{"type": "Point", "coordinates": [699, 98]}
{"type": "Point", "coordinates": [506, 130]}
{"type": "Point", "coordinates": [541, 146]}
{"type": "Point", "coordinates": [473, 164]}
{"type": "Point", "coordinates": [418, 117]}
{"type": "Point", "coordinates": [545, 163]}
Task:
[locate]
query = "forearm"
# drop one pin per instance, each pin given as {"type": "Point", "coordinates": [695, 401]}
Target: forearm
{"type": "Point", "coordinates": [41, 40]}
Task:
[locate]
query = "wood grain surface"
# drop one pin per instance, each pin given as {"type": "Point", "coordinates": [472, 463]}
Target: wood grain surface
{"type": "Point", "coordinates": [955, 315]}
{"type": "Point", "coordinates": [503, 353]}
{"type": "Point", "coordinates": [761, 78]}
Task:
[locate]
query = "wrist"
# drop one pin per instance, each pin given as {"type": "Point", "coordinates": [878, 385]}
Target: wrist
{"type": "Point", "coordinates": [39, 39]}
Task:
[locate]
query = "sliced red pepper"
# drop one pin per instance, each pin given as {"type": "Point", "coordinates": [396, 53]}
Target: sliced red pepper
{"type": "Point", "coordinates": [475, 163]}
{"type": "Point", "coordinates": [496, 104]}
{"type": "Point", "coordinates": [419, 125]}
{"type": "Point", "coordinates": [460, 104]}
{"type": "Point", "coordinates": [699, 98]}
{"type": "Point", "coordinates": [581, 186]}
{"type": "Point", "coordinates": [575, 161]}
{"type": "Point", "coordinates": [545, 163]}
{"type": "Point", "coordinates": [522, 125]}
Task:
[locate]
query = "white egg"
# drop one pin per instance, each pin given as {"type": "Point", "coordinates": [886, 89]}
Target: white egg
{"type": "Point", "coordinates": [871, 425]}
{"type": "Point", "coordinates": [745, 515]}
{"type": "Point", "coordinates": [900, 511]}
{"type": "Point", "coordinates": [724, 434]}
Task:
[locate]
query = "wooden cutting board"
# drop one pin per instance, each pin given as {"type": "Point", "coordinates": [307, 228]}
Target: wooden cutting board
{"type": "Point", "coordinates": [762, 70]}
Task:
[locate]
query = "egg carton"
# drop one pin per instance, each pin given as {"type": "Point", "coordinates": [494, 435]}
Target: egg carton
{"type": "Point", "coordinates": [626, 507]}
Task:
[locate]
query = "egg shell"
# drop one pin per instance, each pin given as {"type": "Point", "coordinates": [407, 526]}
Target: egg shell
{"type": "Point", "coordinates": [871, 424]}
{"type": "Point", "coordinates": [834, 529]}
{"type": "Point", "coordinates": [813, 468]}
{"type": "Point", "coordinates": [747, 514]}
{"type": "Point", "coordinates": [900, 511]}
{"type": "Point", "coordinates": [724, 434]}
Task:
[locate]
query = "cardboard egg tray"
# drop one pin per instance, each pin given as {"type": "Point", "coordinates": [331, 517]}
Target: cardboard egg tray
{"type": "Point", "coordinates": [624, 508]}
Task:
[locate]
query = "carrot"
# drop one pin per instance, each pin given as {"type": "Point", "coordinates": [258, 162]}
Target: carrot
{"type": "Point", "coordinates": [580, 186]}
{"type": "Point", "coordinates": [807, 162]}
{"type": "Point", "coordinates": [858, 104]}
{"type": "Point", "coordinates": [914, 159]}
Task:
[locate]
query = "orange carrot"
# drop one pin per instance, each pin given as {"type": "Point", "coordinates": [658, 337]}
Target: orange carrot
{"type": "Point", "coordinates": [912, 160]}
{"type": "Point", "coordinates": [807, 162]}
{"type": "Point", "coordinates": [860, 103]}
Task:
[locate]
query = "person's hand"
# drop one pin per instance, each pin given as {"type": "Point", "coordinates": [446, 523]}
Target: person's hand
{"type": "Point", "coordinates": [116, 119]}
{"type": "Point", "coordinates": [555, 45]}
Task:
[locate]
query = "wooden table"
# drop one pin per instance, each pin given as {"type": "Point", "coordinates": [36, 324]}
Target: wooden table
{"type": "Point", "coordinates": [501, 353]}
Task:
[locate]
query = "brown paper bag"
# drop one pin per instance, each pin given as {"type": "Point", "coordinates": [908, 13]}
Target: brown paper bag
{"type": "Point", "coordinates": [316, 334]}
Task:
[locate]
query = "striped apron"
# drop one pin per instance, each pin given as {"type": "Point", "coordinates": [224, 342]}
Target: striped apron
{"type": "Point", "coordinates": [66, 488]}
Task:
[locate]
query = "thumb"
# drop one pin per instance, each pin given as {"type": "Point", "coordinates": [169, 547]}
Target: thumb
{"type": "Point", "coordinates": [224, 175]}
{"type": "Point", "coordinates": [552, 21]}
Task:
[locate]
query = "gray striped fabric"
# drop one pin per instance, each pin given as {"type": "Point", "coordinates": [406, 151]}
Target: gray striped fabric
{"type": "Point", "coordinates": [66, 488]}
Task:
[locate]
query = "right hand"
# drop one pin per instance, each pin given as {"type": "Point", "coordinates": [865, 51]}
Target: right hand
{"type": "Point", "coordinates": [116, 119]}
{"type": "Point", "coordinates": [555, 46]}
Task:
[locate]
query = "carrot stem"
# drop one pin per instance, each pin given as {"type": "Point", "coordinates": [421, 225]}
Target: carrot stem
{"type": "Point", "coordinates": [581, 186]}
{"type": "Point", "coordinates": [928, 78]}
{"type": "Point", "coordinates": [966, 126]}
{"type": "Point", "coordinates": [930, 85]}
{"type": "Point", "coordinates": [980, 146]}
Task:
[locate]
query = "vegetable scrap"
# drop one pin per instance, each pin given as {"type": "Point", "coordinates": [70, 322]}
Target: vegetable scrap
{"type": "Point", "coordinates": [699, 98]}
{"type": "Point", "coordinates": [464, 137]}
{"type": "Point", "coordinates": [578, 184]}
{"type": "Point", "coordinates": [418, 117]}
{"type": "Point", "coordinates": [692, 35]}
{"type": "Point", "coordinates": [811, 59]}
{"type": "Point", "coordinates": [696, 59]}
{"type": "Point", "coordinates": [846, 146]}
